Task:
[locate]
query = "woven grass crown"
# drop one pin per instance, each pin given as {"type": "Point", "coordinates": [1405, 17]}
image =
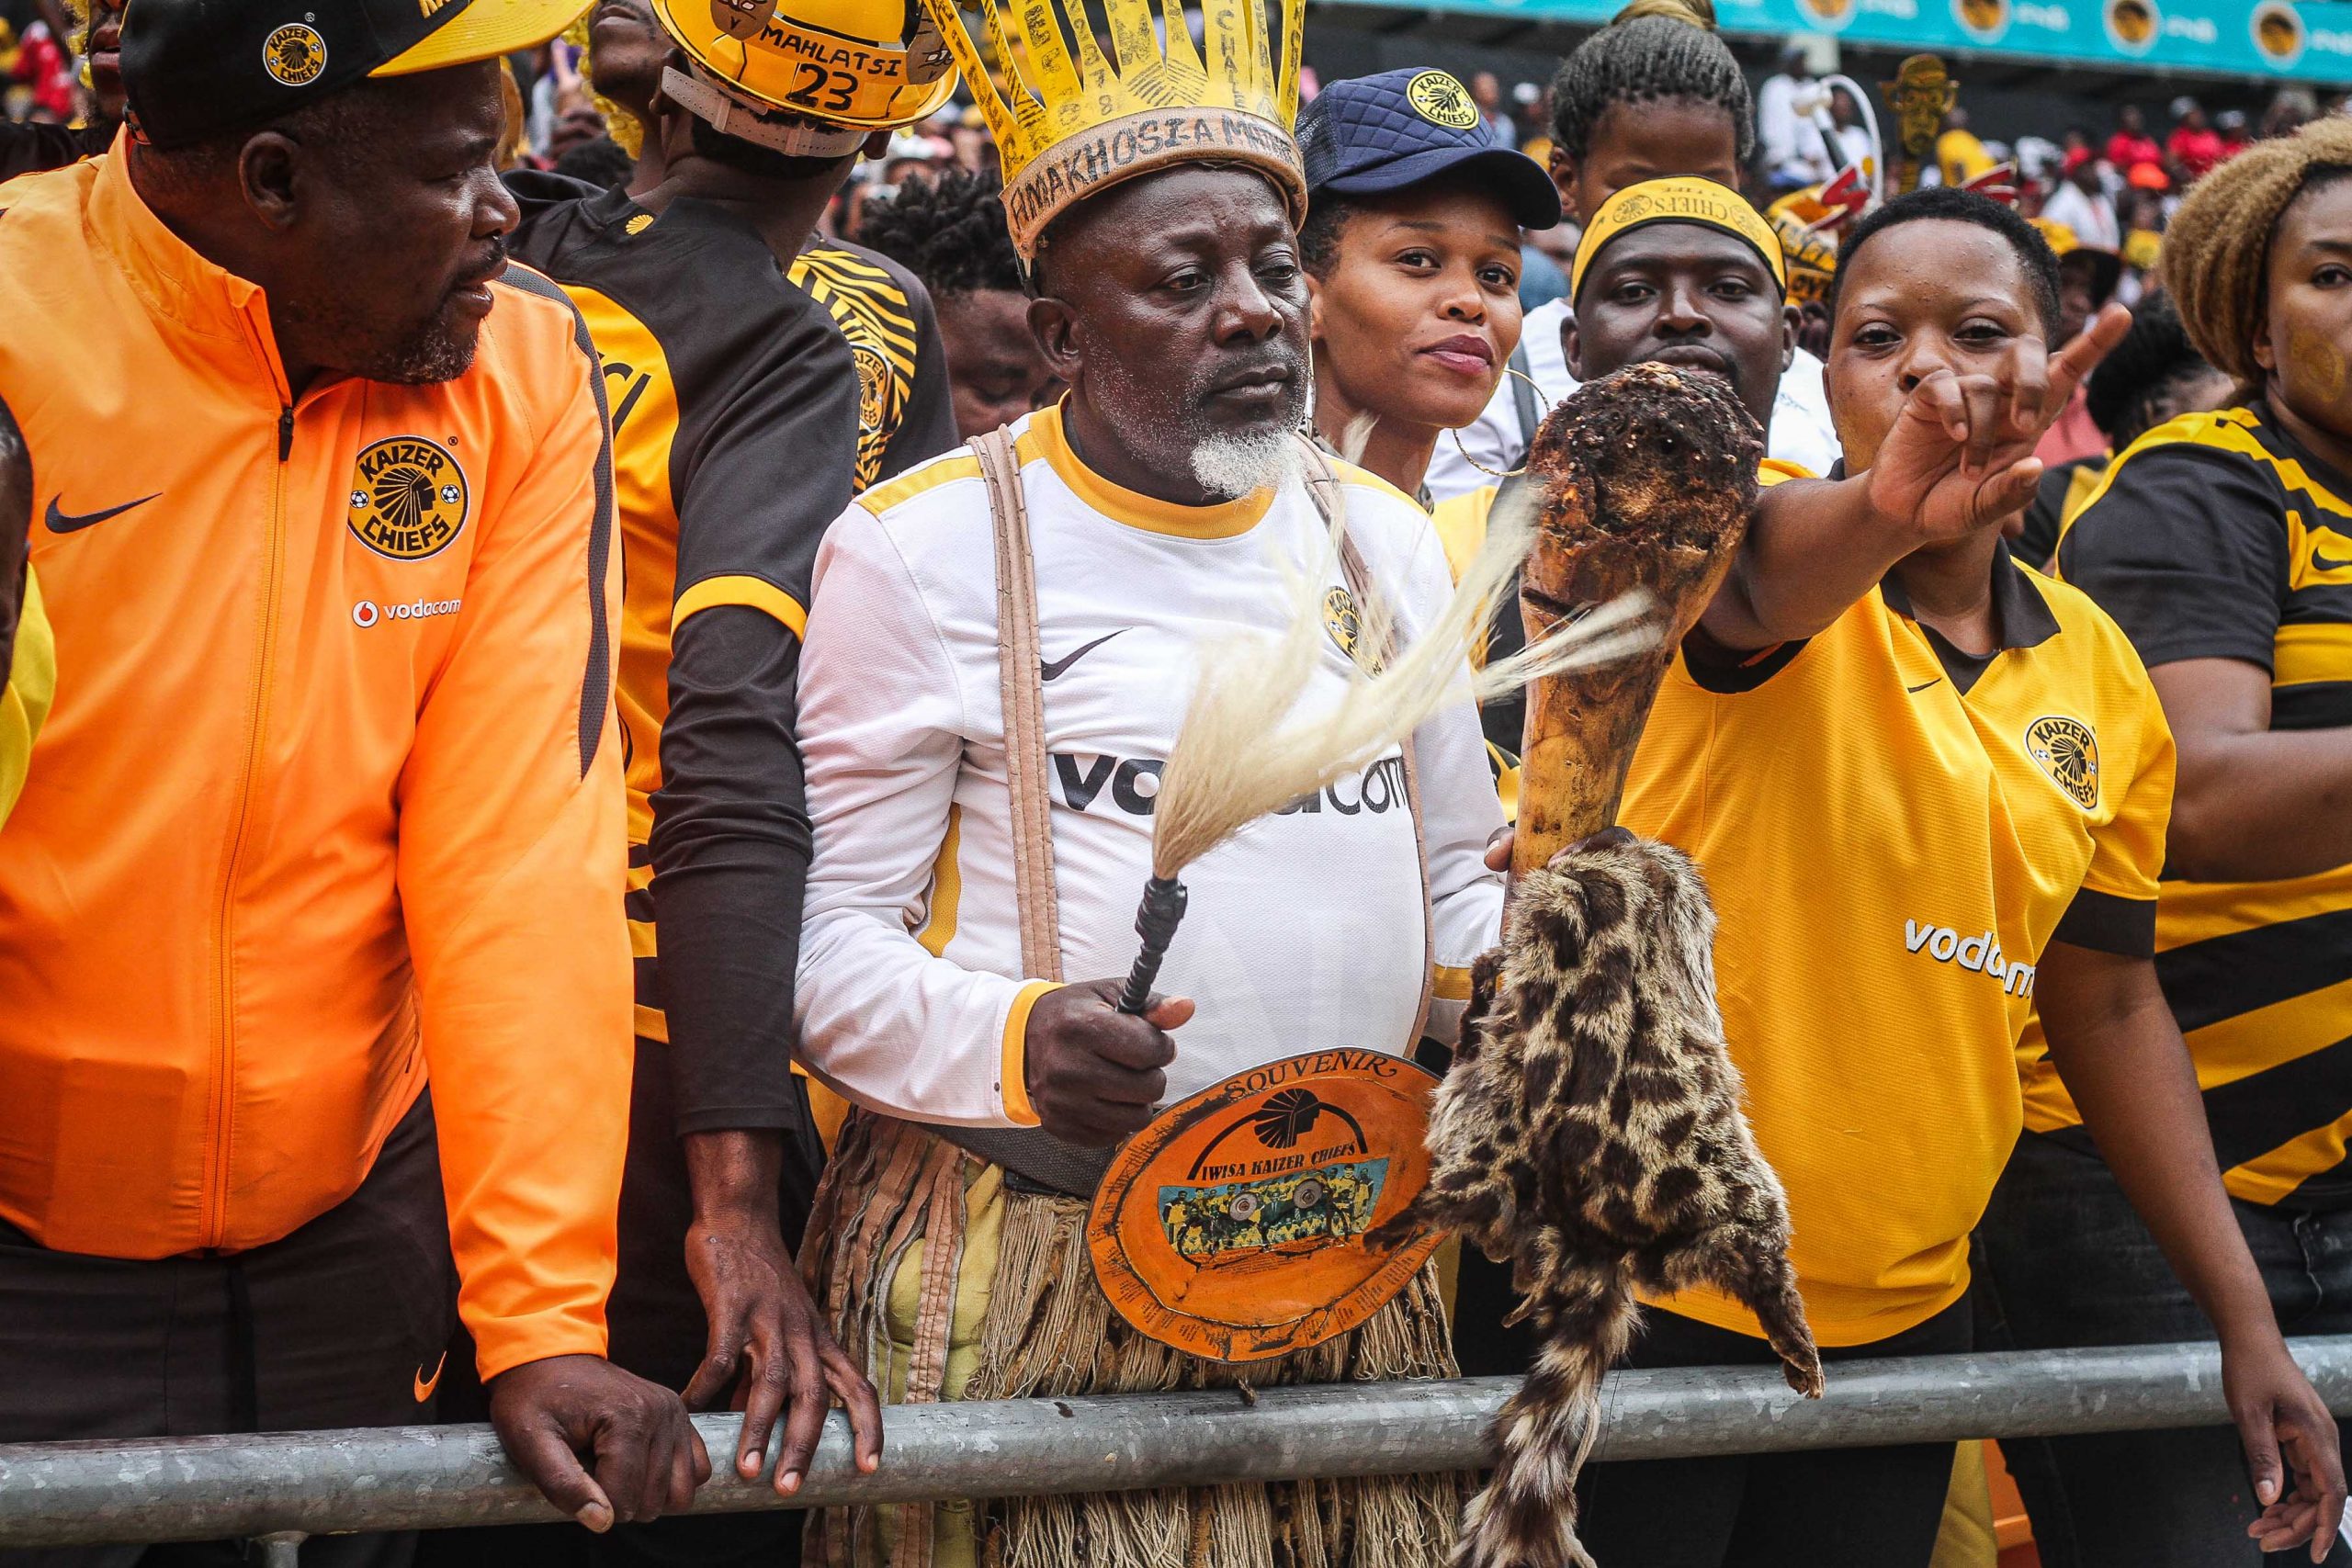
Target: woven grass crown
{"type": "Point", "coordinates": [1074, 112]}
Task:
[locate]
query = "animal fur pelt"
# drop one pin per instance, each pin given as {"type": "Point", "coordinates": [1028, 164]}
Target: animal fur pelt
{"type": "Point", "coordinates": [1589, 1133]}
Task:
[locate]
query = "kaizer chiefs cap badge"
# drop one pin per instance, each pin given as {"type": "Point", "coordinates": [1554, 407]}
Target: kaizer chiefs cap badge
{"type": "Point", "coordinates": [193, 69]}
{"type": "Point", "coordinates": [294, 56]}
{"type": "Point", "coordinates": [1442, 100]}
{"type": "Point", "coordinates": [408, 498]}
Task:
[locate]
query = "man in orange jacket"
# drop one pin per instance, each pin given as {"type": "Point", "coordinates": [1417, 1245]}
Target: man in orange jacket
{"type": "Point", "coordinates": [330, 804]}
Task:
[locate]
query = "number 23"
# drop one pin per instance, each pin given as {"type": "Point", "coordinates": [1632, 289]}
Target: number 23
{"type": "Point", "coordinates": [816, 80]}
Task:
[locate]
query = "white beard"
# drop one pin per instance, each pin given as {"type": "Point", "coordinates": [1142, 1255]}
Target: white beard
{"type": "Point", "coordinates": [1238, 465]}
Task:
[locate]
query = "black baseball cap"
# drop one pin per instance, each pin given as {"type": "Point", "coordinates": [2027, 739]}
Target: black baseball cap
{"type": "Point", "coordinates": [196, 68]}
{"type": "Point", "coordinates": [1369, 135]}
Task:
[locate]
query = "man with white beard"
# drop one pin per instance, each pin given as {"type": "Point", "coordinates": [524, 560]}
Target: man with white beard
{"type": "Point", "coordinates": [1167, 506]}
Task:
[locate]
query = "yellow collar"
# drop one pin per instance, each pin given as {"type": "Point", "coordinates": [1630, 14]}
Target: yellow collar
{"type": "Point", "coordinates": [1225, 520]}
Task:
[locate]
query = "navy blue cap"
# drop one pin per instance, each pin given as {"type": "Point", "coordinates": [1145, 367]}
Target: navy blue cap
{"type": "Point", "coordinates": [1369, 135]}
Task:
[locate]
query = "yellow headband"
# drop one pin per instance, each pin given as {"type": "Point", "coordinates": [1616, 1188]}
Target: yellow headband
{"type": "Point", "coordinates": [1681, 200]}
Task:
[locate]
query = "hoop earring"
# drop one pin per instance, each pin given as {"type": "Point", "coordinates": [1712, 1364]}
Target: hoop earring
{"type": "Point", "coordinates": [1513, 473]}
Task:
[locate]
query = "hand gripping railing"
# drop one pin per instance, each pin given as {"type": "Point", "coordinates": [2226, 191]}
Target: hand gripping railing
{"type": "Point", "coordinates": [281, 1487]}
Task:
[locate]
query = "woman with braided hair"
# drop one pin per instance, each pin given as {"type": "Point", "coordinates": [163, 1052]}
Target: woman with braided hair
{"type": "Point", "coordinates": [2222, 543]}
{"type": "Point", "coordinates": [1653, 95]}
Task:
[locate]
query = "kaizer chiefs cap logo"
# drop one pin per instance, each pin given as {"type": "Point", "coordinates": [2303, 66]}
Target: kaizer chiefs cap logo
{"type": "Point", "coordinates": [2067, 749]}
{"type": "Point", "coordinates": [1442, 100]}
{"type": "Point", "coordinates": [294, 56]}
{"type": "Point", "coordinates": [408, 498]}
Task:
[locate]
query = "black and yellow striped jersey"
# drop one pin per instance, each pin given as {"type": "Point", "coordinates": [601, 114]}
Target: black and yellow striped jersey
{"type": "Point", "coordinates": [735, 405]}
{"type": "Point", "coordinates": [2216, 536]}
{"type": "Point", "coordinates": [905, 411]}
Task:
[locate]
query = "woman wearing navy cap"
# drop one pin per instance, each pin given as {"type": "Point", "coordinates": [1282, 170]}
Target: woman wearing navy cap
{"type": "Point", "coordinates": [1411, 248]}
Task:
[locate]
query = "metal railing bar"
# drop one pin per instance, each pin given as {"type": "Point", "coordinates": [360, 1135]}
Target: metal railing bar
{"type": "Point", "coordinates": [432, 1477]}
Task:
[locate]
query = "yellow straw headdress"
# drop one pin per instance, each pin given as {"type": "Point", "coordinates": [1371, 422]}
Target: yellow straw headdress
{"type": "Point", "coordinates": [1069, 123]}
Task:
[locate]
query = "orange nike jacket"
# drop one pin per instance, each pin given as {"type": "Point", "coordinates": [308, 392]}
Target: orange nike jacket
{"type": "Point", "coordinates": [329, 802]}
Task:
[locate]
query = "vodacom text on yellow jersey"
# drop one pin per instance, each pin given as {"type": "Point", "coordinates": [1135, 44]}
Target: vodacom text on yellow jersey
{"type": "Point", "coordinates": [1980, 953]}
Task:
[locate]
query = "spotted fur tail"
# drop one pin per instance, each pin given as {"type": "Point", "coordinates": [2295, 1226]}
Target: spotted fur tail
{"type": "Point", "coordinates": [1526, 1517]}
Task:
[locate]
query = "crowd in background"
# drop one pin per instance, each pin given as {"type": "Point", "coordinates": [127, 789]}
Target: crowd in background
{"type": "Point", "coordinates": [2113, 187]}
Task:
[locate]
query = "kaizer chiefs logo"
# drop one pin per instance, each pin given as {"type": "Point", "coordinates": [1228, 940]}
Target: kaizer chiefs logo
{"type": "Point", "coordinates": [408, 498]}
{"type": "Point", "coordinates": [2133, 25]}
{"type": "Point", "coordinates": [1442, 100]}
{"type": "Point", "coordinates": [873, 388]}
{"type": "Point", "coordinates": [1983, 20]}
{"type": "Point", "coordinates": [2278, 32]}
{"type": "Point", "coordinates": [2067, 749]}
{"type": "Point", "coordinates": [294, 56]}
{"type": "Point", "coordinates": [1831, 14]}
{"type": "Point", "coordinates": [1341, 619]}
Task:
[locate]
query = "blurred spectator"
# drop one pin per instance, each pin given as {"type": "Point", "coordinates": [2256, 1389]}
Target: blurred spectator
{"type": "Point", "coordinates": [577, 126]}
{"type": "Point", "coordinates": [1960, 157]}
{"type": "Point", "coordinates": [42, 67]}
{"type": "Point", "coordinates": [2143, 213]}
{"type": "Point", "coordinates": [33, 145]}
{"type": "Point", "coordinates": [1788, 137]}
{"type": "Point", "coordinates": [2131, 145]}
{"type": "Point", "coordinates": [2231, 123]}
{"type": "Point", "coordinates": [1853, 136]}
{"type": "Point", "coordinates": [1540, 281]}
{"type": "Point", "coordinates": [1487, 92]}
{"type": "Point", "coordinates": [2194, 145]}
{"type": "Point", "coordinates": [2290, 109]}
{"type": "Point", "coordinates": [2082, 204]}
{"type": "Point", "coordinates": [975, 152]}
{"type": "Point", "coordinates": [600, 161]}
{"type": "Point", "coordinates": [950, 233]}
{"type": "Point", "coordinates": [2087, 274]}
{"type": "Point", "coordinates": [556, 92]}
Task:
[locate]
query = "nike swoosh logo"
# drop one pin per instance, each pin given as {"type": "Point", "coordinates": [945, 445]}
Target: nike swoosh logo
{"type": "Point", "coordinates": [2321, 563]}
{"type": "Point", "coordinates": [66, 521]}
{"type": "Point", "coordinates": [425, 1386]}
{"type": "Point", "coordinates": [1921, 686]}
{"type": "Point", "coordinates": [1055, 669]}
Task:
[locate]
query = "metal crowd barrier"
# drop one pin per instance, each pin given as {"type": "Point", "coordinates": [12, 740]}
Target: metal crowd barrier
{"type": "Point", "coordinates": [279, 1487]}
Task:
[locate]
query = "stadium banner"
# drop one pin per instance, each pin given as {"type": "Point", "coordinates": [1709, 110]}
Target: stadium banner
{"type": "Point", "coordinates": [2273, 38]}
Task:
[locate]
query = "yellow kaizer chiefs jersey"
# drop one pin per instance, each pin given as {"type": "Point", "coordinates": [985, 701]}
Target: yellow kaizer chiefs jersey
{"type": "Point", "coordinates": [1893, 831]}
{"type": "Point", "coordinates": [904, 411]}
{"type": "Point", "coordinates": [2217, 537]}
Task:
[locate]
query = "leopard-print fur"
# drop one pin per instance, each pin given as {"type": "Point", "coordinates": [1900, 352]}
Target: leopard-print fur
{"type": "Point", "coordinates": [1589, 1133]}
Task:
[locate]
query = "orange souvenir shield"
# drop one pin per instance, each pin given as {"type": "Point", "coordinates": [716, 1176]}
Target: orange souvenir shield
{"type": "Point", "coordinates": [1233, 1226]}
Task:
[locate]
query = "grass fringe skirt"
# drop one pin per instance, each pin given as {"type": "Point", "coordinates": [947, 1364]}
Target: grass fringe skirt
{"type": "Point", "coordinates": [1048, 1331]}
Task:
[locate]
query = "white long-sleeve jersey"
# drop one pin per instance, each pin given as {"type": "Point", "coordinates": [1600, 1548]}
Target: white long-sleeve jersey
{"type": "Point", "coordinates": [1303, 932]}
